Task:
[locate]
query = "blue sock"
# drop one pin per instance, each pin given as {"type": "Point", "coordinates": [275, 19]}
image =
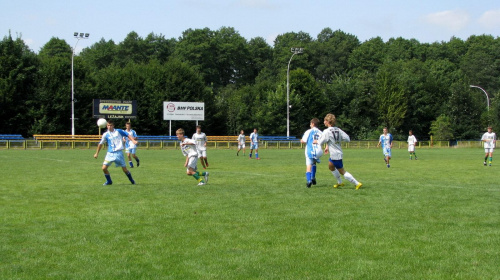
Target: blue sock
{"type": "Point", "coordinates": [313, 171]}
{"type": "Point", "coordinates": [108, 178]}
{"type": "Point", "coordinates": [257, 155]}
{"type": "Point", "coordinates": [308, 176]}
{"type": "Point", "coordinates": [129, 175]}
{"type": "Point", "coordinates": [250, 155]}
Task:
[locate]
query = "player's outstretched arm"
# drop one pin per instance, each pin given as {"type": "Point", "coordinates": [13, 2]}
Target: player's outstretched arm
{"type": "Point", "coordinates": [98, 150]}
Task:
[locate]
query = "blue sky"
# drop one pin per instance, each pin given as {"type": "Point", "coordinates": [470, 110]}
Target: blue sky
{"type": "Point", "coordinates": [427, 21]}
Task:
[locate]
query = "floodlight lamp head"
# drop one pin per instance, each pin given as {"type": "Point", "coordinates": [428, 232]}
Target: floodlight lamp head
{"type": "Point", "coordinates": [87, 35]}
{"type": "Point", "coordinates": [75, 34]}
{"type": "Point", "coordinates": [81, 35]}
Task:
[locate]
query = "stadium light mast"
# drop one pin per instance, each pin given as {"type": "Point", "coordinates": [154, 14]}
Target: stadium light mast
{"type": "Point", "coordinates": [78, 37]}
{"type": "Point", "coordinates": [485, 93]}
{"type": "Point", "coordinates": [294, 52]}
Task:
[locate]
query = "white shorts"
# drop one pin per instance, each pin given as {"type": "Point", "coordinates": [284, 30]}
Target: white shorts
{"type": "Point", "coordinates": [311, 161]}
{"type": "Point", "coordinates": [488, 150]}
{"type": "Point", "coordinates": [202, 153]}
{"type": "Point", "coordinates": [192, 163]}
{"type": "Point", "coordinates": [241, 146]}
{"type": "Point", "coordinates": [411, 148]}
{"type": "Point", "coordinates": [386, 152]}
{"type": "Point", "coordinates": [116, 157]}
{"type": "Point", "coordinates": [254, 146]}
{"type": "Point", "coordinates": [130, 151]}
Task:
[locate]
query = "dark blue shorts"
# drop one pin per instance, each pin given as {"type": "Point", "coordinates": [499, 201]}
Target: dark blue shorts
{"type": "Point", "coordinates": [337, 163]}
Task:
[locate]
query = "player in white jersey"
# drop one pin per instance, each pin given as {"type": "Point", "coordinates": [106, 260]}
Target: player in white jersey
{"type": "Point", "coordinates": [114, 139]}
{"type": "Point", "coordinates": [313, 151]}
{"type": "Point", "coordinates": [130, 148]}
{"type": "Point", "coordinates": [201, 146]}
{"type": "Point", "coordinates": [254, 143]}
{"type": "Point", "coordinates": [333, 137]}
{"type": "Point", "coordinates": [386, 141]}
{"type": "Point", "coordinates": [241, 142]}
{"type": "Point", "coordinates": [188, 148]}
{"type": "Point", "coordinates": [489, 138]}
{"type": "Point", "coordinates": [412, 140]}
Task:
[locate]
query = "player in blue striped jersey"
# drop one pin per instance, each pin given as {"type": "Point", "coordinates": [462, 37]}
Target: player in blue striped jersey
{"type": "Point", "coordinates": [114, 139]}
{"type": "Point", "coordinates": [385, 140]}
{"type": "Point", "coordinates": [313, 151]}
{"type": "Point", "coordinates": [254, 143]}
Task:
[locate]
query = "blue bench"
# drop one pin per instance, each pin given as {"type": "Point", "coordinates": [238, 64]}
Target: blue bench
{"type": "Point", "coordinates": [278, 138]}
{"type": "Point", "coordinates": [157, 138]}
{"type": "Point", "coordinates": [11, 137]}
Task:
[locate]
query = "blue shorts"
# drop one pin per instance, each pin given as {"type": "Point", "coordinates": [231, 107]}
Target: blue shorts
{"type": "Point", "coordinates": [116, 157]}
{"type": "Point", "coordinates": [387, 152]}
{"type": "Point", "coordinates": [130, 151]}
{"type": "Point", "coordinates": [337, 163]}
{"type": "Point", "coordinates": [254, 146]}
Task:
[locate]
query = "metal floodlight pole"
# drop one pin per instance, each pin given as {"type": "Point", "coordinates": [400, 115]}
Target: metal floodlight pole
{"type": "Point", "coordinates": [78, 37]}
{"type": "Point", "coordinates": [485, 93]}
{"type": "Point", "coordinates": [294, 51]}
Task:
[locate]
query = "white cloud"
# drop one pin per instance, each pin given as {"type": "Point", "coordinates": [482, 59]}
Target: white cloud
{"type": "Point", "coordinates": [490, 19]}
{"type": "Point", "coordinates": [452, 20]}
{"type": "Point", "coordinates": [271, 37]}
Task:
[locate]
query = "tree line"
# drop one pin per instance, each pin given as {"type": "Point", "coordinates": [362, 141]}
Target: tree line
{"type": "Point", "coordinates": [400, 83]}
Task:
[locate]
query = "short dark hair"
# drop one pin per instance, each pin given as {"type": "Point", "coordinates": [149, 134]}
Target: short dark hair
{"type": "Point", "coordinates": [315, 122]}
{"type": "Point", "coordinates": [198, 126]}
{"type": "Point", "coordinates": [111, 122]}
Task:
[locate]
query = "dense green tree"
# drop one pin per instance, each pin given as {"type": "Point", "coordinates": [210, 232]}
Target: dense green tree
{"type": "Point", "coordinates": [100, 55]}
{"type": "Point", "coordinates": [18, 73]}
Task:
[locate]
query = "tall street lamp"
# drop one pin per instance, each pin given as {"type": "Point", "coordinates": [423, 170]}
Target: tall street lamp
{"type": "Point", "coordinates": [294, 51]}
{"type": "Point", "coordinates": [485, 93]}
{"type": "Point", "coordinates": [78, 37]}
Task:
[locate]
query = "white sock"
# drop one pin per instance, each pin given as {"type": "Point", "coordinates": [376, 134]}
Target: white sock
{"type": "Point", "coordinates": [337, 175]}
{"type": "Point", "coordinates": [349, 178]}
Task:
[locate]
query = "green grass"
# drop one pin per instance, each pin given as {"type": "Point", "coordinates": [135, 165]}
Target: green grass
{"type": "Point", "coordinates": [435, 218]}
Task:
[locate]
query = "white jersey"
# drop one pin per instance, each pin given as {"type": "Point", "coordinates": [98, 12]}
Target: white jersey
{"type": "Point", "coordinates": [254, 138]}
{"type": "Point", "coordinates": [241, 139]}
{"type": "Point", "coordinates": [412, 140]}
{"type": "Point", "coordinates": [489, 140]}
{"type": "Point", "coordinates": [189, 150]}
{"type": "Point", "coordinates": [313, 151]}
{"type": "Point", "coordinates": [129, 144]}
{"type": "Point", "coordinates": [200, 140]}
{"type": "Point", "coordinates": [333, 137]}
{"type": "Point", "coordinates": [114, 140]}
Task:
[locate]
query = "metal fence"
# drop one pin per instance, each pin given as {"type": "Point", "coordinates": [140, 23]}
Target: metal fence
{"type": "Point", "coordinates": [170, 144]}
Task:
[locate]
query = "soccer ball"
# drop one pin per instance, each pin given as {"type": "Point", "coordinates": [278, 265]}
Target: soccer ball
{"type": "Point", "coordinates": [102, 123]}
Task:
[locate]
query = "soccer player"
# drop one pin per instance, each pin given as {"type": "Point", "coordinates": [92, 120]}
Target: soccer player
{"type": "Point", "coordinates": [241, 142]}
{"type": "Point", "coordinates": [412, 140]}
{"type": "Point", "coordinates": [201, 146]}
{"type": "Point", "coordinates": [313, 151]}
{"type": "Point", "coordinates": [254, 143]}
{"type": "Point", "coordinates": [113, 137]}
{"type": "Point", "coordinates": [386, 141]}
{"type": "Point", "coordinates": [333, 137]}
{"type": "Point", "coordinates": [489, 138]}
{"type": "Point", "coordinates": [130, 148]}
{"type": "Point", "coordinates": [188, 148]}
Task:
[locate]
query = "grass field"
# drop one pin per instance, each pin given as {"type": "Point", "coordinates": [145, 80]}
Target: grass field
{"type": "Point", "coordinates": [435, 218]}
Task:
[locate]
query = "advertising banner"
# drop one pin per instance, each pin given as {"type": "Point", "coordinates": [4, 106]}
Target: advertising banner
{"type": "Point", "coordinates": [115, 109]}
{"type": "Point", "coordinates": [183, 111]}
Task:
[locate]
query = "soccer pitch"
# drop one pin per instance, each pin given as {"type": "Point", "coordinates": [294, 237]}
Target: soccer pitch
{"type": "Point", "coordinates": [434, 218]}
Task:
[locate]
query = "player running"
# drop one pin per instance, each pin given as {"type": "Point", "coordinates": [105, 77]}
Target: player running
{"type": "Point", "coordinates": [313, 151]}
{"type": "Point", "coordinates": [201, 146]}
{"type": "Point", "coordinates": [489, 138]}
{"type": "Point", "coordinates": [254, 143]}
{"type": "Point", "coordinates": [114, 139]}
{"type": "Point", "coordinates": [130, 148]}
{"type": "Point", "coordinates": [333, 137]}
{"type": "Point", "coordinates": [188, 148]}
{"type": "Point", "coordinates": [386, 141]}
{"type": "Point", "coordinates": [241, 142]}
{"type": "Point", "coordinates": [412, 140]}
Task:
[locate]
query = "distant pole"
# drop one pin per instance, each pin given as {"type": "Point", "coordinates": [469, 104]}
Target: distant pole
{"type": "Point", "coordinates": [485, 93]}
{"type": "Point", "coordinates": [294, 51]}
{"type": "Point", "coordinates": [78, 37]}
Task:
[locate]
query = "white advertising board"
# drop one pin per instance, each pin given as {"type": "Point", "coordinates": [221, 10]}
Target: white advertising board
{"type": "Point", "coordinates": [183, 111]}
